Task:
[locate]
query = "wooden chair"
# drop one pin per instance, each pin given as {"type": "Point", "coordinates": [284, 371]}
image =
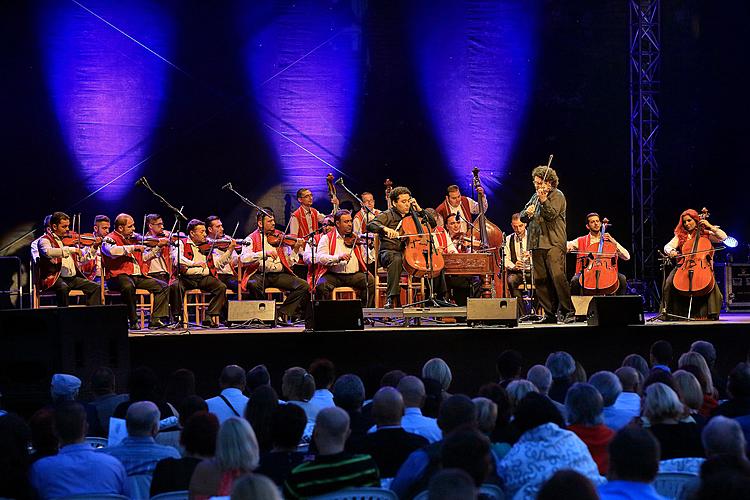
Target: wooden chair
{"type": "Point", "coordinates": [347, 292]}
{"type": "Point", "coordinates": [198, 305]}
{"type": "Point", "coordinates": [412, 288]}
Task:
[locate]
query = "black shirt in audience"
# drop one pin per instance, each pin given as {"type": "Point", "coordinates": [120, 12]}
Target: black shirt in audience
{"type": "Point", "coordinates": [390, 447]}
{"type": "Point", "coordinates": [737, 407]}
{"type": "Point", "coordinates": [277, 464]}
{"type": "Point", "coordinates": [172, 474]}
{"type": "Point", "coordinates": [678, 440]}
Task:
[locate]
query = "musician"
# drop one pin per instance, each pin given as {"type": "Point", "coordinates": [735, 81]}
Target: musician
{"type": "Point", "coordinates": [198, 271]}
{"type": "Point", "coordinates": [304, 221]}
{"type": "Point", "coordinates": [460, 287]}
{"type": "Point", "coordinates": [456, 203]}
{"type": "Point", "coordinates": [463, 242]}
{"type": "Point", "coordinates": [544, 214]}
{"type": "Point", "coordinates": [224, 260]}
{"type": "Point", "coordinates": [361, 219]}
{"type": "Point", "coordinates": [707, 306]}
{"type": "Point", "coordinates": [594, 225]}
{"type": "Point", "coordinates": [59, 265]}
{"type": "Point", "coordinates": [387, 224]}
{"type": "Point", "coordinates": [277, 262]}
{"type": "Point", "coordinates": [517, 260]}
{"type": "Point", "coordinates": [92, 269]}
{"type": "Point", "coordinates": [343, 265]}
{"type": "Point", "coordinates": [160, 266]}
{"type": "Point", "coordinates": [126, 268]}
{"type": "Point", "coordinates": [36, 242]}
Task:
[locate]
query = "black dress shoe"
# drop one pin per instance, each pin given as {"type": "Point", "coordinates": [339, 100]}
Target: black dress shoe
{"type": "Point", "coordinates": [392, 302]}
{"type": "Point", "coordinates": [547, 320]}
{"type": "Point", "coordinates": [156, 323]}
{"type": "Point", "coordinates": [134, 325]}
{"type": "Point", "coordinates": [569, 318]}
{"type": "Point", "coordinates": [209, 324]}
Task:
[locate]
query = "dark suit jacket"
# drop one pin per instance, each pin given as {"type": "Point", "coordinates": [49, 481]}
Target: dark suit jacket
{"type": "Point", "coordinates": [390, 447]}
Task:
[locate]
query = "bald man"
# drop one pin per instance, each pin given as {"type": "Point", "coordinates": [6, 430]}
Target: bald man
{"type": "Point", "coordinates": [231, 401]}
{"type": "Point", "coordinates": [333, 468]}
{"type": "Point", "coordinates": [413, 392]}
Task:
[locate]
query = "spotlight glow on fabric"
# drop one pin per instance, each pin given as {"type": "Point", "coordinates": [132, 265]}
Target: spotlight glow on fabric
{"type": "Point", "coordinates": [474, 65]}
{"type": "Point", "coordinates": [107, 83]}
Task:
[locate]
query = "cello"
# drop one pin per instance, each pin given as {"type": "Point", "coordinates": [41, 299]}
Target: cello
{"type": "Point", "coordinates": [695, 274]}
{"type": "Point", "coordinates": [599, 275]}
{"type": "Point", "coordinates": [491, 238]}
{"type": "Point", "coordinates": [421, 258]}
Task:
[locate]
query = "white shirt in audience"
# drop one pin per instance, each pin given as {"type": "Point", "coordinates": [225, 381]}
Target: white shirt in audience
{"type": "Point", "coordinates": [223, 412]}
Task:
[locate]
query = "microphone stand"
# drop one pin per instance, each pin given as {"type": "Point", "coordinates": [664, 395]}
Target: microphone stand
{"type": "Point", "coordinates": [310, 239]}
{"type": "Point", "coordinates": [431, 300]}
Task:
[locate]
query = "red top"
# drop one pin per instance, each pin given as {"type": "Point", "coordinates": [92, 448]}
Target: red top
{"type": "Point", "coordinates": [597, 440]}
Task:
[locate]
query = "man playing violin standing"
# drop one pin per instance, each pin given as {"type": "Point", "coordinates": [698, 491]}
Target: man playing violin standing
{"type": "Point", "coordinates": [691, 226]}
{"type": "Point", "coordinates": [594, 225]}
{"type": "Point", "coordinates": [269, 263]}
{"type": "Point", "coordinates": [545, 215]}
{"type": "Point", "coordinates": [58, 265]}
{"type": "Point", "coordinates": [304, 221]}
{"type": "Point", "coordinates": [456, 203]}
{"type": "Point", "coordinates": [341, 261]}
{"type": "Point", "coordinates": [517, 260]}
{"type": "Point", "coordinates": [125, 263]}
{"type": "Point", "coordinates": [198, 271]}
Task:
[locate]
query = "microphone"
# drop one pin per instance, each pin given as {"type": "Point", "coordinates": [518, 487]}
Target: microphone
{"type": "Point", "coordinates": [141, 182]}
{"type": "Point", "coordinates": [340, 181]}
{"type": "Point", "coordinates": [228, 185]}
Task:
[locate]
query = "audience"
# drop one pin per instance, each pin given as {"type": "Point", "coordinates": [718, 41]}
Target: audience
{"type": "Point", "coordinates": [509, 365]}
{"type": "Point", "coordinates": [298, 387]}
{"type": "Point", "coordinates": [143, 385]}
{"type": "Point", "coordinates": [610, 389]}
{"type": "Point", "coordinates": [541, 377]}
{"type": "Point", "coordinates": [633, 465]}
{"type": "Point", "coordinates": [333, 468]}
{"type": "Point", "coordinates": [584, 406]}
{"type": "Point", "coordinates": [413, 393]}
{"type": "Point", "coordinates": [562, 366]}
{"type": "Point", "coordinates": [180, 386]}
{"type": "Point", "coordinates": [77, 468]}
{"type": "Point", "coordinates": [696, 360]}
{"type": "Point", "coordinates": [738, 389]}
{"type": "Point", "coordinates": [257, 376]}
{"type": "Point", "coordinates": [14, 457]}
{"type": "Point", "coordinates": [629, 400]}
{"type": "Point", "coordinates": [518, 389]}
{"type": "Point", "coordinates": [486, 419]}
{"type": "Point", "coordinates": [638, 363]}
{"type": "Point", "coordinates": [287, 426]}
{"type": "Point", "coordinates": [237, 454]}
{"type": "Point", "coordinates": [437, 369]}
{"type": "Point", "coordinates": [664, 415]}
{"type": "Point", "coordinates": [469, 450]}
{"type": "Point", "coordinates": [349, 395]}
{"type": "Point", "coordinates": [324, 374]}
{"type": "Point", "coordinates": [255, 487]}
{"type": "Point", "coordinates": [660, 355]}
{"type": "Point", "coordinates": [504, 431]}
{"type": "Point", "coordinates": [434, 397]}
{"type": "Point", "coordinates": [708, 351]}
{"type": "Point", "coordinates": [101, 408]}
{"type": "Point", "coordinates": [231, 401]}
{"type": "Point", "coordinates": [568, 485]}
{"type": "Point", "coordinates": [691, 394]}
{"type": "Point", "coordinates": [259, 412]}
{"type": "Point", "coordinates": [64, 387]}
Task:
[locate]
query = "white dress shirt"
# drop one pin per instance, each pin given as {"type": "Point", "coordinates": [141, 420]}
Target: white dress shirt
{"type": "Point", "coordinates": [335, 262]}
{"type": "Point", "coordinates": [194, 266]}
{"type": "Point", "coordinates": [114, 251]}
{"type": "Point", "coordinates": [225, 260]}
{"type": "Point", "coordinates": [622, 252]}
{"type": "Point", "coordinates": [413, 421]}
{"type": "Point", "coordinates": [716, 236]}
{"type": "Point", "coordinates": [521, 245]}
{"type": "Point", "coordinates": [251, 255]}
{"type": "Point", "coordinates": [64, 253]}
{"type": "Point", "coordinates": [294, 223]}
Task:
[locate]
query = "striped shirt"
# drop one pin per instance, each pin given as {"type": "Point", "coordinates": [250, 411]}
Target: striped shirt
{"type": "Point", "coordinates": [329, 473]}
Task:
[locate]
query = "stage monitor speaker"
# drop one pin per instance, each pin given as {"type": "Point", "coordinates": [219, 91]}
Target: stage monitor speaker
{"type": "Point", "coordinates": [615, 310]}
{"type": "Point", "coordinates": [327, 315]}
{"type": "Point", "coordinates": [492, 311]}
{"type": "Point", "coordinates": [581, 304]}
{"type": "Point", "coordinates": [241, 311]}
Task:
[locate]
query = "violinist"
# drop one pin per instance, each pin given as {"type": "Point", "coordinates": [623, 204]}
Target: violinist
{"type": "Point", "coordinates": [461, 242]}
{"type": "Point", "coordinates": [366, 214]}
{"type": "Point", "coordinates": [690, 226]}
{"type": "Point", "coordinates": [269, 263]}
{"type": "Point", "coordinates": [59, 264]}
{"type": "Point", "coordinates": [342, 262]}
{"type": "Point", "coordinates": [594, 225]}
{"type": "Point", "coordinates": [92, 269]}
{"type": "Point", "coordinates": [305, 220]}
{"type": "Point", "coordinates": [160, 266]}
{"type": "Point", "coordinates": [387, 225]}
{"type": "Point", "coordinates": [456, 203]}
{"type": "Point", "coordinates": [225, 259]}
{"type": "Point", "coordinates": [517, 260]}
{"type": "Point", "coordinates": [544, 215]}
{"type": "Point", "coordinates": [36, 242]}
{"type": "Point", "coordinates": [125, 263]}
{"type": "Point", "coordinates": [198, 271]}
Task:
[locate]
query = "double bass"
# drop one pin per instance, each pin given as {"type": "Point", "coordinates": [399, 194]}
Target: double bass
{"type": "Point", "coordinates": [599, 275]}
{"type": "Point", "coordinates": [490, 236]}
{"type": "Point", "coordinates": [695, 274]}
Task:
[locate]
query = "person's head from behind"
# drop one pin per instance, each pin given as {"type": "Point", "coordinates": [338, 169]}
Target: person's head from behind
{"type": "Point", "coordinates": [198, 437]}
{"type": "Point", "coordinates": [412, 390]}
{"type": "Point", "coordinates": [638, 363]}
{"type": "Point", "coordinates": [236, 446]}
{"type": "Point", "coordinates": [43, 435]}
{"type": "Point", "coordinates": [323, 372]}
{"type": "Point", "coordinates": [661, 353]}
{"type": "Point", "coordinates": [688, 389]}
{"type": "Point", "coordinates": [535, 410]}
{"type": "Point", "coordinates": [259, 412]}
{"type": "Point", "coordinates": [232, 376]}
{"type": "Point", "coordinates": [451, 484]}
{"type": "Point", "coordinates": [660, 376]}
{"type": "Point", "coordinates": [103, 381]}
{"type": "Point", "coordinates": [705, 349]}
{"type": "Point", "coordinates": [630, 379]}
{"type": "Point", "coordinates": [661, 404]}
{"type": "Point", "coordinates": [518, 389]}
{"type": "Point", "coordinates": [561, 365]}
{"type": "Point", "coordinates": [738, 383]}
{"type": "Point", "coordinates": [569, 485]}
{"type": "Point", "coordinates": [509, 364]}
{"type": "Point", "coordinates": [584, 405]}
{"type": "Point", "coordinates": [541, 377]}
{"type": "Point", "coordinates": [287, 427]}
{"type": "Point", "coordinates": [696, 359]}
{"type": "Point", "coordinates": [634, 456]}
{"type": "Point", "coordinates": [486, 414]}
{"type": "Point", "coordinates": [608, 385]}
{"type": "Point", "coordinates": [255, 487]}
{"type": "Point", "coordinates": [142, 419]}
{"type": "Point", "coordinates": [190, 406]}
{"type": "Point", "coordinates": [498, 395]}
{"type": "Point", "coordinates": [180, 385]}
{"type": "Point", "coordinates": [468, 449]}
{"type": "Point", "coordinates": [70, 422]}
{"type": "Point", "coordinates": [64, 387]}
{"type": "Point", "coordinates": [256, 377]}
{"type": "Point", "coordinates": [349, 392]}
{"type": "Point", "coordinates": [387, 407]}
{"type": "Point", "coordinates": [434, 397]}
{"type": "Point", "coordinates": [723, 436]}
{"type": "Point", "coordinates": [724, 477]}
{"type": "Point", "coordinates": [143, 384]}
{"type": "Point", "coordinates": [437, 369]}
{"type": "Point", "coordinates": [456, 411]}
{"type": "Point", "coordinates": [392, 378]}
{"type": "Point", "coordinates": [331, 430]}
{"type": "Point", "coordinates": [297, 384]}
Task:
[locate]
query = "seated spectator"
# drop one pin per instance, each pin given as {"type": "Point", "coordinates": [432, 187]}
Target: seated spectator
{"type": "Point", "coordinates": [629, 399]}
{"type": "Point", "coordinates": [77, 468]}
{"type": "Point", "coordinates": [452, 484]}
{"type": "Point", "coordinates": [64, 387]}
{"type": "Point", "coordinates": [723, 436]}
{"type": "Point", "coordinates": [105, 401]}
{"type": "Point", "coordinates": [664, 413]}
{"type": "Point", "coordinates": [708, 351]}
{"type": "Point", "coordinates": [543, 448]}
{"type": "Point", "coordinates": [434, 397]}
{"type": "Point", "coordinates": [324, 374]}
{"type": "Point", "coordinates": [661, 376]}
{"type": "Point", "coordinates": [413, 393]}
{"type": "Point", "coordinates": [562, 366]}
{"type": "Point", "coordinates": [236, 455]}
{"type": "Point", "coordinates": [257, 376]}
{"type": "Point", "coordinates": [255, 487]}
{"type": "Point", "coordinates": [633, 465]}
{"type": "Point", "coordinates": [231, 401]}
{"type": "Point", "coordinates": [298, 387]}
{"type": "Point", "coordinates": [180, 386]}
{"type": "Point", "coordinates": [660, 354]}
{"type": "Point", "coordinates": [568, 484]}
{"type": "Point", "coordinates": [43, 435]}
{"type": "Point", "coordinates": [390, 444]}
{"type": "Point", "coordinates": [517, 390]}
{"type": "Point", "coordinates": [14, 457]}
{"type": "Point", "coordinates": [349, 394]}
{"type": "Point", "coordinates": [437, 369]}
{"type": "Point", "coordinates": [541, 377]}
{"type": "Point", "coordinates": [738, 389]}
{"type": "Point", "coordinates": [287, 425]}
{"type": "Point", "coordinates": [610, 389]}
{"type": "Point", "coordinates": [333, 468]}
{"type": "Point", "coordinates": [504, 431]}
{"type": "Point", "coordinates": [509, 365]}
{"type": "Point", "coordinates": [259, 412]}
{"type": "Point", "coordinates": [580, 374]}
{"type": "Point", "coordinates": [691, 394]}
{"type": "Point", "coordinates": [584, 406]}
{"type": "Point", "coordinates": [486, 419]}
{"type": "Point", "coordinates": [189, 407]}
{"type": "Point", "coordinates": [694, 359]}
{"type": "Point", "coordinates": [139, 452]}
{"type": "Point", "coordinates": [469, 450]}
{"type": "Point", "coordinates": [638, 363]}
{"type": "Point", "coordinates": [143, 385]}
{"type": "Point", "coordinates": [198, 438]}
{"type": "Point", "coordinates": [724, 477]}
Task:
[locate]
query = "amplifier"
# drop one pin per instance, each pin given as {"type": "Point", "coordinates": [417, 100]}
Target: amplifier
{"type": "Point", "coordinates": [241, 311]}
{"type": "Point", "coordinates": [492, 311]}
{"type": "Point", "coordinates": [734, 282]}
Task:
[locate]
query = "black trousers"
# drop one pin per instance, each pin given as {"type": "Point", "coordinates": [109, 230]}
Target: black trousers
{"type": "Point", "coordinates": [461, 287]}
{"type": "Point", "coordinates": [126, 285]}
{"type": "Point", "coordinates": [393, 262]}
{"type": "Point", "coordinates": [175, 295]}
{"type": "Point", "coordinates": [575, 285]}
{"type": "Point", "coordinates": [63, 286]}
{"type": "Point", "coordinates": [359, 281]}
{"type": "Point", "coordinates": [515, 280]}
{"type": "Point", "coordinates": [209, 284]}
{"type": "Point", "coordinates": [552, 287]}
{"type": "Point", "coordinates": [299, 291]}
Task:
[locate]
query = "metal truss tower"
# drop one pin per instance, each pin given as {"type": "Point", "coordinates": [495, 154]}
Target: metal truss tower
{"type": "Point", "coordinates": [645, 58]}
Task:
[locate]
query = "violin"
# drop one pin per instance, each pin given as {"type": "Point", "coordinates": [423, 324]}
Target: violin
{"type": "Point", "coordinates": [221, 244]}
{"type": "Point", "coordinates": [599, 275]}
{"type": "Point", "coordinates": [352, 239]}
{"type": "Point", "coordinates": [278, 239]}
{"type": "Point", "coordinates": [73, 238]}
{"type": "Point", "coordinates": [695, 276]}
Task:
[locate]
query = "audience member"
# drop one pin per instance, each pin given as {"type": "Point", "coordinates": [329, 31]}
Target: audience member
{"type": "Point", "coordinates": [257, 376]}
{"type": "Point", "coordinates": [541, 377]}
{"type": "Point", "coordinates": [584, 407]}
{"type": "Point", "coordinates": [180, 386]}
{"type": "Point", "coordinates": [629, 399]}
{"type": "Point", "coordinates": [543, 448]}
{"type": "Point", "coordinates": [324, 374]}
{"type": "Point", "coordinates": [333, 468]}
{"type": "Point", "coordinates": [237, 454]}
{"type": "Point", "coordinates": [437, 369]}
{"type": "Point", "coordinates": [738, 389]}
{"type": "Point", "coordinates": [189, 407]}
{"type": "Point", "coordinates": [638, 363]}
{"type": "Point", "coordinates": [509, 365]}
{"type": "Point", "coordinates": [434, 397]}
{"type": "Point", "coordinates": [580, 374]}
{"type": "Point", "coordinates": [287, 426]}
{"type": "Point", "coordinates": [690, 393]}
{"type": "Point", "coordinates": [15, 437]}
{"type": "Point", "coordinates": [518, 389]}
{"type": "Point", "coordinates": [723, 436]}
{"type": "Point", "coordinates": [633, 465]}
{"type": "Point", "coordinates": [696, 360]}
{"type": "Point", "coordinates": [198, 438]}
{"type": "Point", "coordinates": [610, 389]}
{"type": "Point", "coordinates": [231, 401]}
{"type": "Point", "coordinates": [724, 477]}
{"type": "Point", "coordinates": [504, 431]}
{"type": "Point", "coordinates": [349, 394]}
{"type": "Point", "coordinates": [452, 484]}
{"type": "Point", "coordinates": [77, 468]}
{"type": "Point", "coordinates": [255, 487]}
{"type": "Point", "coordinates": [143, 385]}
{"type": "Point", "coordinates": [708, 401]}
{"type": "Point", "coordinates": [101, 408]}
{"type": "Point", "coordinates": [708, 351]}
{"type": "Point", "coordinates": [563, 367]}
{"type": "Point", "coordinates": [259, 412]}
{"type": "Point", "coordinates": [660, 355]}
{"type": "Point", "coordinates": [64, 387]}
{"type": "Point", "coordinates": [413, 392]}
{"type": "Point", "coordinates": [43, 435]}
{"type": "Point", "coordinates": [469, 450]}
{"type": "Point", "coordinates": [568, 485]}
{"type": "Point", "coordinates": [658, 375]}
{"type": "Point", "coordinates": [664, 413]}
{"type": "Point", "coordinates": [297, 387]}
